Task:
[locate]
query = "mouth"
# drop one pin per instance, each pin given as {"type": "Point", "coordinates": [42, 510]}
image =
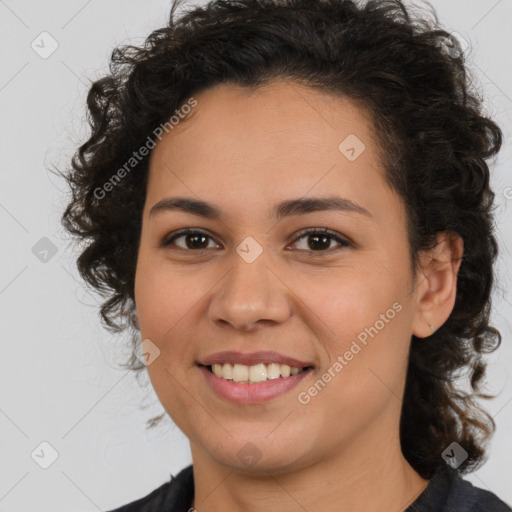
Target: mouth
{"type": "Point", "coordinates": [241, 373]}
{"type": "Point", "coordinates": [252, 378]}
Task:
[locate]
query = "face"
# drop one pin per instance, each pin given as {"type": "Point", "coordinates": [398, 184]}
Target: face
{"type": "Point", "coordinates": [257, 286]}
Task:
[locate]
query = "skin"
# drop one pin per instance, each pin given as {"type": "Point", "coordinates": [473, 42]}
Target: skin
{"type": "Point", "coordinates": [244, 151]}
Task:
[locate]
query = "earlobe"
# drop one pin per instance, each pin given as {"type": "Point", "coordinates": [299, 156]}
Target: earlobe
{"type": "Point", "coordinates": [437, 289]}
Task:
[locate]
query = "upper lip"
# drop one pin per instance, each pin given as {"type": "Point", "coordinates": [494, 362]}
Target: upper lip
{"type": "Point", "coordinates": [252, 358]}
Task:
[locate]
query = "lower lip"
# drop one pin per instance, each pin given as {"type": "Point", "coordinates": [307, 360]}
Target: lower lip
{"type": "Point", "coordinates": [257, 392]}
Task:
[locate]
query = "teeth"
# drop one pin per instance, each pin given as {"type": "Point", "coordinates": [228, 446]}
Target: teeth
{"type": "Point", "coordinates": [240, 373]}
{"type": "Point", "coordinates": [256, 373]}
{"type": "Point", "coordinates": [285, 370]}
{"type": "Point", "coordinates": [227, 371]}
{"type": "Point", "coordinates": [273, 371]}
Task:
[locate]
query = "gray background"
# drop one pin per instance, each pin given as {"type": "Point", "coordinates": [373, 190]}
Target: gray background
{"type": "Point", "coordinates": [59, 381]}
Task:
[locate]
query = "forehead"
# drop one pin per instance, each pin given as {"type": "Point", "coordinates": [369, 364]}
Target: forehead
{"type": "Point", "coordinates": [282, 139]}
{"type": "Point", "coordinates": [279, 115]}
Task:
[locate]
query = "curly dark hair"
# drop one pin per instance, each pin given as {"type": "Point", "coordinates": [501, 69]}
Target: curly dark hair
{"type": "Point", "coordinates": [410, 74]}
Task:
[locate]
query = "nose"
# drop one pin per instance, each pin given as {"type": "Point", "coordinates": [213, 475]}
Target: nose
{"type": "Point", "coordinates": [250, 296]}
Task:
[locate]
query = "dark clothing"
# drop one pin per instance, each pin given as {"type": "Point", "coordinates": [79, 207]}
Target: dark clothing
{"type": "Point", "coordinates": [445, 492]}
{"type": "Point", "coordinates": [448, 492]}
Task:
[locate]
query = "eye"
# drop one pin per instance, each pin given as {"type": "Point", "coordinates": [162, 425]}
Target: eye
{"type": "Point", "coordinates": [320, 239]}
{"type": "Point", "coordinates": [193, 239]}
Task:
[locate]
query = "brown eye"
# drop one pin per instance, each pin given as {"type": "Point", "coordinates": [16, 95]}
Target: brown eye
{"type": "Point", "coordinates": [319, 240]}
{"type": "Point", "coordinates": [193, 240]}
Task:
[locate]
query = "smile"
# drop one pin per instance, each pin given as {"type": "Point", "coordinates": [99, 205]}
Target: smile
{"type": "Point", "coordinates": [255, 377]}
{"type": "Point", "coordinates": [251, 374]}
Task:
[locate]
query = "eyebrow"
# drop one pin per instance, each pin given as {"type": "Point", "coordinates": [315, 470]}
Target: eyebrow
{"type": "Point", "coordinates": [286, 208]}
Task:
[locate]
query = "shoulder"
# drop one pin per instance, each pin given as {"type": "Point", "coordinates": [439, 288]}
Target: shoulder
{"type": "Point", "coordinates": [175, 495]}
{"type": "Point", "coordinates": [447, 491]}
{"type": "Point", "coordinates": [147, 503]}
{"type": "Point", "coordinates": [475, 499]}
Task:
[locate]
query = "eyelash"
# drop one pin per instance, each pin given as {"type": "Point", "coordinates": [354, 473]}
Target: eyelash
{"type": "Point", "coordinates": [304, 233]}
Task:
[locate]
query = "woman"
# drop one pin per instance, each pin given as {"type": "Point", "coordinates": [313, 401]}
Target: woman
{"type": "Point", "coordinates": [289, 205]}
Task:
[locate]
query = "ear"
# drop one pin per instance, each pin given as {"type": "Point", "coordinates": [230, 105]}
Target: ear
{"type": "Point", "coordinates": [436, 283]}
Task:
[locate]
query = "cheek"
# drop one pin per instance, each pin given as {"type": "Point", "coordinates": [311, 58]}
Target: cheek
{"type": "Point", "coordinates": [365, 373]}
{"type": "Point", "coordinates": [353, 301]}
{"type": "Point", "coordinates": [162, 308]}
{"type": "Point", "coordinates": [163, 298]}
{"type": "Point", "coordinates": [367, 322]}
{"type": "Point", "coordinates": [164, 305]}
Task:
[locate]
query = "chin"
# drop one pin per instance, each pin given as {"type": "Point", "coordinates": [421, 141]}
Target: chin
{"type": "Point", "coordinates": [257, 455]}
